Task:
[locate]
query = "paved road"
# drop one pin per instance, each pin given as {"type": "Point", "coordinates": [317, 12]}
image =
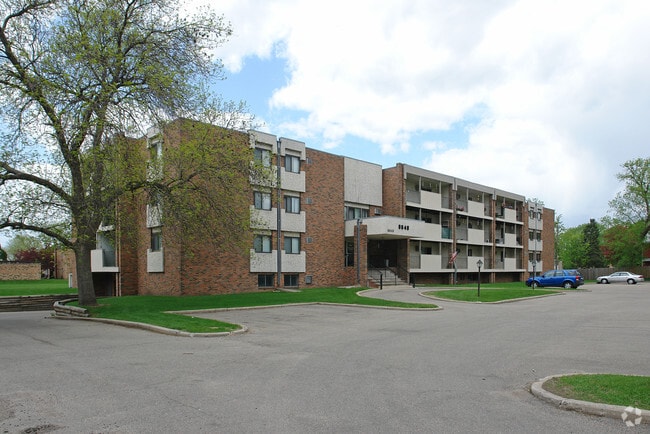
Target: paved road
{"type": "Point", "coordinates": [464, 369]}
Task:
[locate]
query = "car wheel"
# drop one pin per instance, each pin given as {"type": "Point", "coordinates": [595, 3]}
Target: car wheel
{"type": "Point", "coordinates": [567, 285]}
{"type": "Point", "coordinates": [604, 281]}
{"type": "Point", "coordinates": [631, 281]}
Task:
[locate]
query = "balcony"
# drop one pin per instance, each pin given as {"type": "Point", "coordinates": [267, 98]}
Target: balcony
{"type": "Point", "coordinates": [292, 181]}
{"type": "Point", "coordinates": [268, 262]}
{"type": "Point", "coordinates": [155, 261]}
{"type": "Point", "coordinates": [103, 261]}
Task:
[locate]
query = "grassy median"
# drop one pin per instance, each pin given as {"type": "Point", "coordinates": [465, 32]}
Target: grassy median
{"type": "Point", "coordinates": [625, 390]}
{"type": "Point", "coordinates": [488, 294]}
{"type": "Point", "coordinates": [155, 309]}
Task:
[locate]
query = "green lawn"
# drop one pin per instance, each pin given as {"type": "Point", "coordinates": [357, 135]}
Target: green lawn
{"type": "Point", "coordinates": [625, 390]}
{"type": "Point", "coordinates": [488, 294]}
{"type": "Point", "coordinates": [151, 309]}
{"type": "Point", "coordinates": [35, 287]}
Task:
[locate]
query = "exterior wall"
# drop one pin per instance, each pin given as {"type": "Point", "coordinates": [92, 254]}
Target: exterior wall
{"type": "Point", "coordinates": [393, 191]}
{"type": "Point", "coordinates": [363, 183]}
{"type": "Point", "coordinates": [324, 211]}
{"type": "Point", "coordinates": [20, 271]}
{"type": "Point", "coordinates": [411, 210]}
{"type": "Point", "coordinates": [548, 239]}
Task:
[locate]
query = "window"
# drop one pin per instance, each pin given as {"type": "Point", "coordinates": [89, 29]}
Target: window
{"type": "Point", "coordinates": [262, 157]}
{"type": "Point", "coordinates": [156, 239]}
{"type": "Point", "coordinates": [349, 253]}
{"type": "Point", "coordinates": [155, 150]}
{"type": "Point", "coordinates": [262, 200]}
{"type": "Point", "coordinates": [292, 163]}
{"type": "Point", "coordinates": [290, 280]}
{"type": "Point", "coordinates": [265, 280]}
{"type": "Point", "coordinates": [262, 244]}
{"type": "Point", "coordinates": [292, 245]}
{"type": "Point", "coordinates": [292, 204]}
{"type": "Point", "coordinates": [353, 213]}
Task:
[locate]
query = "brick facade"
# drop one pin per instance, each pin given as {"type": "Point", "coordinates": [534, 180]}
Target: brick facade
{"type": "Point", "coordinates": [20, 271]}
{"type": "Point", "coordinates": [337, 252]}
{"type": "Point", "coordinates": [325, 248]}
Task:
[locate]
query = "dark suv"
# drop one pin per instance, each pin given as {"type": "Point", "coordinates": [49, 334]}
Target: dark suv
{"type": "Point", "coordinates": [562, 278]}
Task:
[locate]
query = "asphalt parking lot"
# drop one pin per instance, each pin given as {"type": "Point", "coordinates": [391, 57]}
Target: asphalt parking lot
{"type": "Point", "coordinates": [463, 369]}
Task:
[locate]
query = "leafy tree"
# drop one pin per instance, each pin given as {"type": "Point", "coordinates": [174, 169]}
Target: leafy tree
{"type": "Point", "coordinates": [22, 242]}
{"type": "Point", "coordinates": [76, 77]}
{"type": "Point", "coordinates": [632, 205]}
{"type": "Point", "coordinates": [623, 245]}
{"type": "Point", "coordinates": [43, 256]}
{"type": "Point", "coordinates": [593, 255]}
{"type": "Point", "coordinates": [3, 255]}
{"type": "Point", "coordinates": [571, 247]}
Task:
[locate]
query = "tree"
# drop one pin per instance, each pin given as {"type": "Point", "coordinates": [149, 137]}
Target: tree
{"type": "Point", "coordinates": [23, 242]}
{"type": "Point", "coordinates": [44, 256]}
{"type": "Point", "coordinates": [572, 248]}
{"type": "Point", "coordinates": [593, 255]}
{"type": "Point", "coordinates": [623, 245]}
{"type": "Point", "coordinates": [77, 77]}
{"type": "Point", "coordinates": [632, 205]}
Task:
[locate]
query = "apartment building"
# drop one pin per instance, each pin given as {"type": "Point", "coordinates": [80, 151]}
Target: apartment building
{"type": "Point", "coordinates": [320, 220]}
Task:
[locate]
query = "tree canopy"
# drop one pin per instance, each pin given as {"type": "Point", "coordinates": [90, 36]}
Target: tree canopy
{"type": "Point", "coordinates": [632, 205]}
{"type": "Point", "coordinates": [76, 78]}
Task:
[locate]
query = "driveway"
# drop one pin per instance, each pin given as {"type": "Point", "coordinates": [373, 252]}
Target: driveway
{"type": "Point", "coordinates": [336, 369]}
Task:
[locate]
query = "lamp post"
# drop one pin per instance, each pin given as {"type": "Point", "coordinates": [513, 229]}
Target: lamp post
{"type": "Point", "coordinates": [534, 272]}
{"type": "Point", "coordinates": [479, 264]}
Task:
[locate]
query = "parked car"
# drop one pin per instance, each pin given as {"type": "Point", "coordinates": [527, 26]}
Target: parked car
{"type": "Point", "coordinates": [562, 278]}
{"type": "Point", "coordinates": [620, 276]}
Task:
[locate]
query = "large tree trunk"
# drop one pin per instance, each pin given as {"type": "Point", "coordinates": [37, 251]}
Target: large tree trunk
{"type": "Point", "coordinates": [84, 275]}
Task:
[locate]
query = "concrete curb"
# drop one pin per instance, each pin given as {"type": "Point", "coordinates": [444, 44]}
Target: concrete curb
{"type": "Point", "coordinates": [154, 328]}
{"type": "Point", "coordinates": [512, 300]}
{"type": "Point", "coordinates": [77, 313]}
{"type": "Point", "coordinates": [593, 408]}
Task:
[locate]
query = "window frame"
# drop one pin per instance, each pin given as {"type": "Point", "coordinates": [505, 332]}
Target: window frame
{"type": "Point", "coordinates": [291, 280]}
{"type": "Point", "coordinates": [291, 203]}
{"type": "Point", "coordinates": [261, 196]}
{"type": "Point", "coordinates": [263, 280]}
{"type": "Point", "coordinates": [155, 242]}
{"type": "Point", "coordinates": [293, 243]}
{"type": "Point", "coordinates": [262, 156]}
{"type": "Point", "coordinates": [260, 244]}
{"type": "Point", "coordinates": [292, 163]}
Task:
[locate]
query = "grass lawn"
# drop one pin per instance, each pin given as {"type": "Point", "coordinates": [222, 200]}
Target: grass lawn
{"type": "Point", "coordinates": [490, 293]}
{"type": "Point", "coordinates": [151, 309]}
{"type": "Point", "coordinates": [35, 287]}
{"type": "Point", "coordinates": [625, 390]}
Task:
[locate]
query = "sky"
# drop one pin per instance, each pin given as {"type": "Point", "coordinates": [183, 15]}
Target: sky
{"type": "Point", "coordinates": [541, 98]}
{"type": "Point", "coordinates": [544, 99]}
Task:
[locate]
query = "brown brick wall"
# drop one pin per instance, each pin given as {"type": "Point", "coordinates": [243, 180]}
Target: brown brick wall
{"type": "Point", "coordinates": [394, 191]}
{"type": "Point", "coordinates": [192, 266]}
{"type": "Point", "coordinates": [325, 221]}
{"type": "Point", "coordinates": [65, 264]}
{"type": "Point", "coordinates": [20, 271]}
{"type": "Point", "coordinates": [548, 239]}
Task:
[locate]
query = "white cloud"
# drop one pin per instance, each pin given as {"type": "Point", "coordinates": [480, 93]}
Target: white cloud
{"type": "Point", "coordinates": [561, 85]}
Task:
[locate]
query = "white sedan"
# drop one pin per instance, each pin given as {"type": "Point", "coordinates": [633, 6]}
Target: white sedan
{"type": "Point", "coordinates": [620, 276]}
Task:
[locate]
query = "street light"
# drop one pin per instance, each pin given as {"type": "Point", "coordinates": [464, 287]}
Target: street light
{"type": "Point", "coordinates": [479, 264]}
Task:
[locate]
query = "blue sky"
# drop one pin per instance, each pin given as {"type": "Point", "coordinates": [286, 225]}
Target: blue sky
{"type": "Point", "coordinates": [545, 99]}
